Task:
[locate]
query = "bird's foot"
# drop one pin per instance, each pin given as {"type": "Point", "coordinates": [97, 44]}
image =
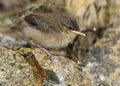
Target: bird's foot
{"type": "Point", "coordinates": [48, 53]}
{"type": "Point", "coordinates": [58, 57]}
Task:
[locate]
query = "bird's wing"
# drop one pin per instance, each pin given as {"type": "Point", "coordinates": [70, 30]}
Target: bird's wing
{"type": "Point", "coordinates": [44, 22]}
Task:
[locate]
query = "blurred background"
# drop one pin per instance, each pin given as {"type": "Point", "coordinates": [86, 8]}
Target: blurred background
{"type": "Point", "coordinates": [94, 17]}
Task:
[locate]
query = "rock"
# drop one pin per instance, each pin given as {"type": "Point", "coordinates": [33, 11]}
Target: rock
{"type": "Point", "coordinates": [11, 42]}
{"type": "Point", "coordinates": [15, 70]}
{"type": "Point", "coordinates": [103, 60]}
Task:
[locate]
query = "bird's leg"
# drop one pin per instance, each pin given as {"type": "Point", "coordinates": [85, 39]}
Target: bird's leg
{"type": "Point", "coordinates": [47, 52]}
{"type": "Point", "coordinates": [58, 54]}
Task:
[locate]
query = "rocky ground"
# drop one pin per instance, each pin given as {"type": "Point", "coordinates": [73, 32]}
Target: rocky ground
{"type": "Point", "coordinates": [103, 60]}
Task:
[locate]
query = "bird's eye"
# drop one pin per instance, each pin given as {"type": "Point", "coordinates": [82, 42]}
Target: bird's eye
{"type": "Point", "coordinates": [70, 28]}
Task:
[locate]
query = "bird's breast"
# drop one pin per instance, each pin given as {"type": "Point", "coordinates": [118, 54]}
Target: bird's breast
{"type": "Point", "coordinates": [49, 40]}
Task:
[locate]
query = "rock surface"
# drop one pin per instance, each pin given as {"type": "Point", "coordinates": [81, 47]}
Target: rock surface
{"type": "Point", "coordinates": [15, 71]}
{"type": "Point", "coordinates": [103, 59]}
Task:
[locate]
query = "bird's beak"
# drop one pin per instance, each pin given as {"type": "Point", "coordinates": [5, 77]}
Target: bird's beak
{"type": "Point", "coordinates": [78, 33]}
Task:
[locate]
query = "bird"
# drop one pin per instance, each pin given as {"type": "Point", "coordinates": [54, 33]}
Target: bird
{"type": "Point", "coordinates": [52, 31]}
